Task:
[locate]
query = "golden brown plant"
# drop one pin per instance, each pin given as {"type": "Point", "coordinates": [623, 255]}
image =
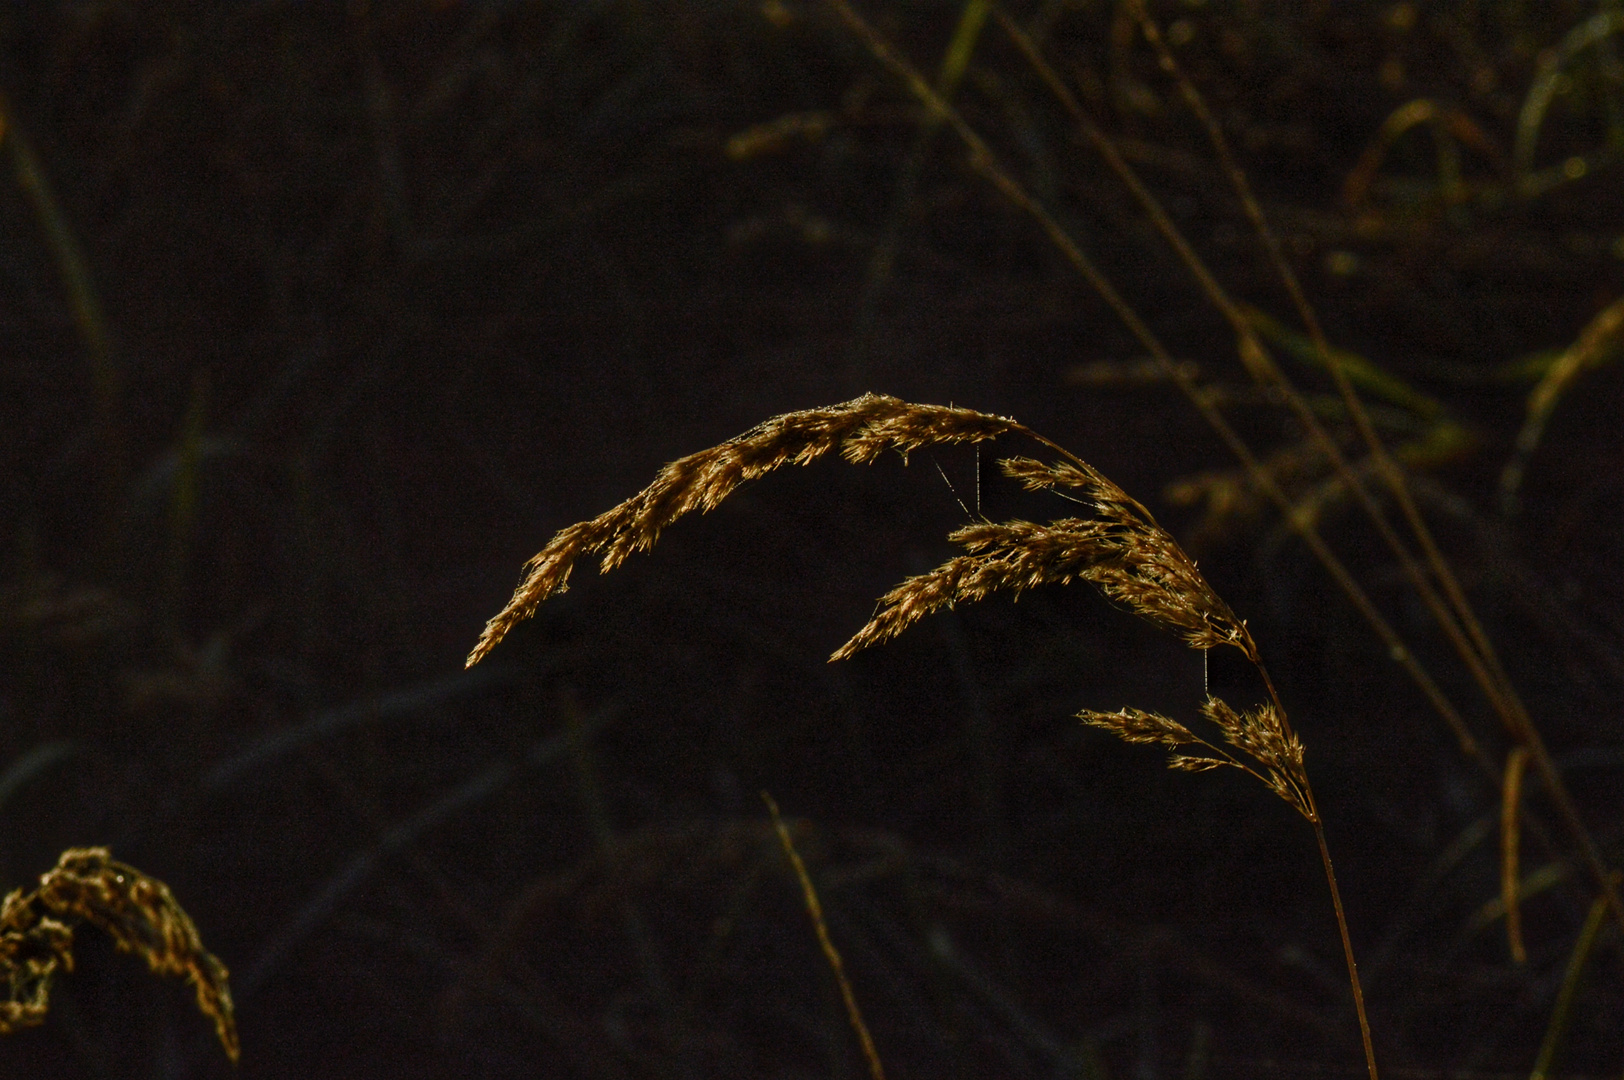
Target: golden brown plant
{"type": "Point", "coordinates": [1262, 735]}
{"type": "Point", "coordinates": [1121, 550]}
{"type": "Point", "coordinates": [139, 913]}
{"type": "Point", "coordinates": [861, 429]}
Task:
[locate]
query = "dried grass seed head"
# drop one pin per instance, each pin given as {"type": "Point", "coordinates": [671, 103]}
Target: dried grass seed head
{"type": "Point", "coordinates": [1260, 734]}
{"type": "Point", "coordinates": [1139, 563]}
{"type": "Point", "coordinates": [33, 945]}
{"type": "Point", "coordinates": [1264, 736]}
{"type": "Point", "coordinates": [139, 913]}
{"type": "Point", "coordinates": [1122, 551]}
{"type": "Point", "coordinates": [1010, 557]}
{"type": "Point", "coordinates": [1139, 726]}
{"type": "Point", "coordinates": [861, 430]}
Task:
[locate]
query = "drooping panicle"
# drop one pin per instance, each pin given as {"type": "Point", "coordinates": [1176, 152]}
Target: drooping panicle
{"type": "Point", "coordinates": [1121, 550]}
{"type": "Point", "coordinates": [1263, 735]}
{"type": "Point", "coordinates": [861, 430]}
{"type": "Point", "coordinates": [1141, 566]}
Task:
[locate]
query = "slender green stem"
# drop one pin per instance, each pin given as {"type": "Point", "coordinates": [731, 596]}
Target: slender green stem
{"type": "Point", "coordinates": [1347, 945]}
{"type": "Point", "coordinates": [1570, 989]}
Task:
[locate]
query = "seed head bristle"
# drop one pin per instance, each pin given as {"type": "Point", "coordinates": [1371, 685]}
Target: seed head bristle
{"type": "Point", "coordinates": [1138, 726]}
{"type": "Point", "coordinates": [1195, 762]}
{"type": "Point", "coordinates": [861, 430]}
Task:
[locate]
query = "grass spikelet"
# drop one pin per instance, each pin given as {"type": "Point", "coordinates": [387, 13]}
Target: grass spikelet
{"type": "Point", "coordinates": [1275, 752]}
{"type": "Point", "coordinates": [1139, 726]}
{"type": "Point", "coordinates": [139, 913]}
{"type": "Point", "coordinates": [1010, 557]}
{"type": "Point", "coordinates": [1264, 736]}
{"type": "Point", "coordinates": [1122, 551]}
{"type": "Point", "coordinates": [1036, 475]}
{"type": "Point", "coordinates": [861, 430]}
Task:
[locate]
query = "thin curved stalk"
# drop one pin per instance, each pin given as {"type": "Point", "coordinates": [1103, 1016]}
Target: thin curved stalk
{"type": "Point", "coordinates": [1347, 948]}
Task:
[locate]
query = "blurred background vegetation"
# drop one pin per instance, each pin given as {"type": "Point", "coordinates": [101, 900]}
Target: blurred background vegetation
{"type": "Point", "coordinates": [316, 319]}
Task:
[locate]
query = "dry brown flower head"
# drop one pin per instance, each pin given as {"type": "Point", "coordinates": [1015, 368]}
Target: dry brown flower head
{"type": "Point", "coordinates": [861, 430]}
{"type": "Point", "coordinates": [139, 913]}
{"type": "Point", "coordinates": [1269, 749]}
{"type": "Point", "coordinates": [1118, 547]}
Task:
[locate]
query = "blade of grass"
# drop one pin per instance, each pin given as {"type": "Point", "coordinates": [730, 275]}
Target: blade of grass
{"type": "Point", "coordinates": [1449, 127]}
{"type": "Point", "coordinates": [31, 764]}
{"type": "Point", "coordinates": [1544, 87]}
{"type": "Point", "coordinates": [184, 503]}
{"type": "Point", "coordinates": [1563, 1011]}
{"type": "Point", "coordinates": [815, 909]}
{"type": "Point", "coordinates": [1257, 359]}
{"type": "Point", "coordinates": [955, 61]}
{"type": "Point", "coordinates": [1544, 879]}
{"type": "Point", "coordinates": [1360, 370]}
{"type": "Point", "coordinates": [106, 378]}
{"type": "Point", "coordinates": [594, 804]}
{"type": "Point", "coordinates": [410, 700]}
{"type": "Point", "coordinates": [403, 834]}
{"type": "Point", "coordinates": [1510, 804]}
{"type": "Point", "coordinates": [1596, 343]}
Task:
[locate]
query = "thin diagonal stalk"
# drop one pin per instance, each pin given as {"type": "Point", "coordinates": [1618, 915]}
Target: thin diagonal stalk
{"type": "Point", "coordinates": [1510, 835]}
{"type": "Point", "coordinates": [1336, 893]}
{"type": "Point", "coordinates": [814, 908]}
{"type": "Point", "coordinates": [1570, 990]}
{"type": "Point", "coordinates": [1475, 648]}
{"type": "Point", "coordinates": [107, 377]}
{"type": "Point", "coordinates": [1347, 946]}
{"type": "Point", "coordinates": [1255, 356]}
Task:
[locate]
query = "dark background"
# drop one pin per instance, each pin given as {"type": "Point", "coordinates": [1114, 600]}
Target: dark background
{"type": "Point", "coordinates": [376, 298]}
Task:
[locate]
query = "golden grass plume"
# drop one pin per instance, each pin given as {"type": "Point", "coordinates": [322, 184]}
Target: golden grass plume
{"type": "Point", "coordinates": [1273, 752]}
{"type": "Point", "coordinates": [139, 913]}
{"type": "Point", "coordinates": [861, 430]}
{"type": "Point", "coordinates": [1120, 549]}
